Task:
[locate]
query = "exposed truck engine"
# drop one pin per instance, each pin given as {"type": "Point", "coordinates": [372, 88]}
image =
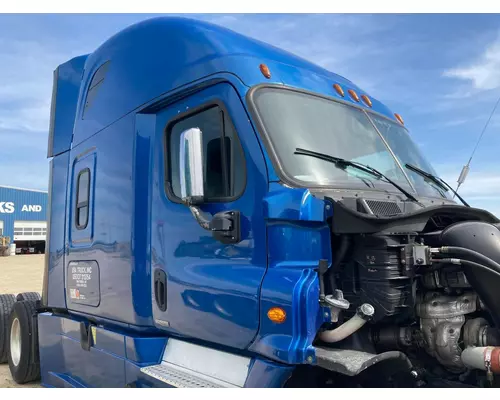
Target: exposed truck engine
{"type": "Point", "coordinates": [424, 286]}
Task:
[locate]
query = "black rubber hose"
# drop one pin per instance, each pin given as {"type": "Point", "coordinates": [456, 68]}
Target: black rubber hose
{"type": "Point", "coordinates": [461, 251]}
{"type": "Point", "coordinates": [457, 261]}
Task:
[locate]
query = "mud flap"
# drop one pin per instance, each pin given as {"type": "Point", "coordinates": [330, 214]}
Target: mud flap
{"type": "Point", "coordinates": [34, 339]}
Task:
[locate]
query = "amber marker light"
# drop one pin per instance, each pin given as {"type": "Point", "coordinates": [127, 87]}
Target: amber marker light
{"type": "Point", "coordinates": [354, 95]}
{"type": "Point", "coordinates": [277, 315]}
{"type": "Point", "coordinates": [265, 70]}
{"type": "Point", "coordinates": [339, 89]}
{"type": "Point", "coordinates": [366, 100]}
{"type": "Point", "coordinates": [399, 118]}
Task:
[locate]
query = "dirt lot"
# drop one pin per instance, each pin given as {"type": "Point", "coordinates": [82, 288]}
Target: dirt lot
{"type": "Point", "coordinates": [19, 274]}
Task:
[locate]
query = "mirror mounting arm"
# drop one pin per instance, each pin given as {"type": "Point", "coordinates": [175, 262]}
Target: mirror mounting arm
{"type": "Point", "coordinates": [225, 225]}
{"type": "Point", "coordinates": [200, 218]}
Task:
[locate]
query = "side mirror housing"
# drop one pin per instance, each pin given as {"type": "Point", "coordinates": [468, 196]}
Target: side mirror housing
{"type": "Point", "coordinates": [191, 166]}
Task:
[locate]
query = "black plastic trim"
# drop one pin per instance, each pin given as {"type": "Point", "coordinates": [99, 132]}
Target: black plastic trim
{"type": "Point", "coordinates": [160, 289]}
{"type": "Point", "coordinates": [346, 220]}
{"type": "Point", "coordinates": [95, 82]}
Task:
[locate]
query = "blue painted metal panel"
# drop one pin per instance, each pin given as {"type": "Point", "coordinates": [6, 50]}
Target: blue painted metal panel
{"type": "Point", "coordinates": [107, 364]}
{"type": "Point", "coordinates": [65, 364]}
{"type": "Point", "coordinates": [67, 79]}
{"type": "Point", "coordinates": [144, 350]}
{"type": "Point", "coordinates": [298, 237]}
{"type": "Point", "coordinates": [53, 279]}
{"type": "Point", "coordinates": [212, 288]}
{"type": "Point", "coordinates": [15, 206]}
{"type": "Point", "coordinates": [142, 68]}
{"type": "Point", "coordinates": [112, 245]}
{"type": "Point", "coordinates": [93, 368]}
{"type": "Point", "coordinates": [265, 374]}
{"type": "Point", "coordinates": [142, 180]}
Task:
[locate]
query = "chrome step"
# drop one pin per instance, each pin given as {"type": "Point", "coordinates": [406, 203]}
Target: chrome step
{"type": "Point", "coordinates": [182, 377]}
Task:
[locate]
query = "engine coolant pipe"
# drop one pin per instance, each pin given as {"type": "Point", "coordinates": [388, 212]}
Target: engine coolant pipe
{"type": "Point", "coordinates": [363, 314]}
{"type": "Point", "coordinates": [484, 358]}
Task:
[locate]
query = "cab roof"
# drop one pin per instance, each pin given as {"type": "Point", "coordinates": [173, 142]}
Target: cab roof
{"type": "Point", "coordinates": [148, 60]}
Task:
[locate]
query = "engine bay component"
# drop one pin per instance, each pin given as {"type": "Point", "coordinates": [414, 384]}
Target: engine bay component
{"type": "Point", "coordinates": [445, 278]}
{"type": "Point", "coordinates": [483, 238]}
{"type": "Point", "coordinates": [379, 272]}
{"type": "Point", "coordinates": [483, 358]}
{"type": "Point", "coordinates": [470, 254]}
{"type": "Point", "coordinates": [393, 337]}
{"type": "Point", "coordinates": [478, 333]}
{"type": "Point", "coordinates": [363, 314]}
{"type": "Point", "coordinates": [441, 321]}
{"type": "Point", "coordinates": [434, 292]}
{"type": "Point", "coordinates": [337, 303]}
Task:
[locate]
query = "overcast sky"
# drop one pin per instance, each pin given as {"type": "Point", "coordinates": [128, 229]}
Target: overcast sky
{"type": "Point", "coordinates": [441, 73]}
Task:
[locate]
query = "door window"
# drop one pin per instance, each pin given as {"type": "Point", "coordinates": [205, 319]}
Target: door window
{"type": "Point", "coordinates": [82, 199]}
{"type": "Point", "coordinates": [224, 165]}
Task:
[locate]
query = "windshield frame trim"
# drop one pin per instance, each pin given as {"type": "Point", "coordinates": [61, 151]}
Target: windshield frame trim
{"type": "Point", "coordinates": [280, 170]}
{"type": "Point", "coordinates": [392, 153]}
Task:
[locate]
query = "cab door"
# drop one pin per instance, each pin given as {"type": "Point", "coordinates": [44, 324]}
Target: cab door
{"type": "Point", "coordinates": [202, 287]}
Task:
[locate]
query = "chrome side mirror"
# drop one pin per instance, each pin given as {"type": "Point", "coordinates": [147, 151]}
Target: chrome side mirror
{"type": "Point", "coordinates": [191, 166]}
{"type": "Point", "coordinates": [225, 226]}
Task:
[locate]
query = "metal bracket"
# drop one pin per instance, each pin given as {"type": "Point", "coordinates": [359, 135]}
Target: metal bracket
{"type": "Point", "coordinates": [85, 336]}
{"type": "Point", "coordinates": [226, 227]}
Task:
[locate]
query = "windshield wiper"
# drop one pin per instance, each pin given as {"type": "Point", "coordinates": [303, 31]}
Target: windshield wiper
{"type": "Point", "coordinates": [438, 181]}
{"type": "Point", "coordinates": [366, 168]}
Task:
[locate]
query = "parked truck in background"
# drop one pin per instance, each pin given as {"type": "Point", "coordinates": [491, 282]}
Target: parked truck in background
{"type": "Point", "coordinates": [223, 213]}
{"type": "Point", "coordinates": [4, 245]}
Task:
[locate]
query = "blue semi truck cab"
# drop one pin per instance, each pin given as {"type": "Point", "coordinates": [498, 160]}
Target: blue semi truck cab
{"type": "Point", "coordinates": [226, 214]}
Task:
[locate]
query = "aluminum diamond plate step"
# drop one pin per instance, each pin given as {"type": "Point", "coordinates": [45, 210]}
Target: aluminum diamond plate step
{"type": "Point", "coordinates": [182, 377]}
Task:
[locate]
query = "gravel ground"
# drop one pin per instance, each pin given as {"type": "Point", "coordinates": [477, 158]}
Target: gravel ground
{"type": "Point", "coordinates": [21, 273]}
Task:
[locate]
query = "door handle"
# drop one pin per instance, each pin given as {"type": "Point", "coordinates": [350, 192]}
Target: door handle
{"type": "Point", "coordinates": [160, 289]}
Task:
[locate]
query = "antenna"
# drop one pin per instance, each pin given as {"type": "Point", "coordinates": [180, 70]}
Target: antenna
{"type": "Point", "coordinates": [466, 168]}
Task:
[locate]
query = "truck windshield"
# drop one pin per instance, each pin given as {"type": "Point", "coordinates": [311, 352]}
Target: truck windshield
{"type": "Point", "coordinates": [295, 119]}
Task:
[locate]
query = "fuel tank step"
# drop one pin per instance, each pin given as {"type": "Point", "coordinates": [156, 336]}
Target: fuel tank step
{"type": "Point", "coordinates": [180, 377]}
